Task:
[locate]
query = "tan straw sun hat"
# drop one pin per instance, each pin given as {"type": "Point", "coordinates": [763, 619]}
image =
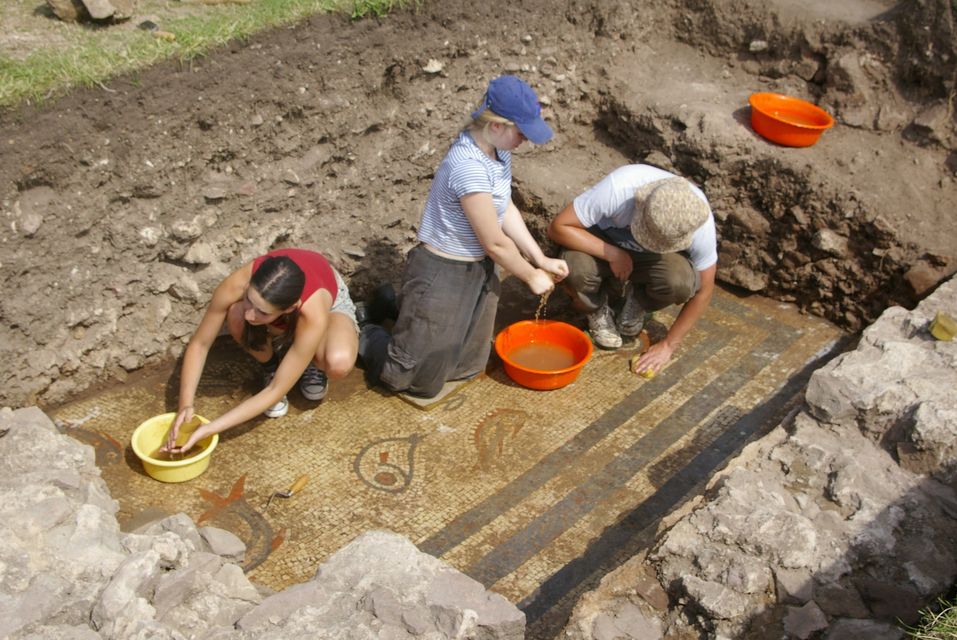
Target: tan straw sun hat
{"type": "Point", "coordinates": [667, 213]}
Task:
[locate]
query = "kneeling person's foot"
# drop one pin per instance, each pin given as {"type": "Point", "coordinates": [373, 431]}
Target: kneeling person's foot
{"type": "Point", "coordinates": [279, 409]}
{"type": "Point", "coordinates": [381, 306]}
{"type": "Point", "coordinates": [601, 325]}
{"type": "Point", "coordinates": [313, 384]}
{"type": "Point", "coordinates": [631, 318]}
{"type": "Point", "coordinates": [384, 304]}
{"type": "Point", "coordinates": [362, 314]}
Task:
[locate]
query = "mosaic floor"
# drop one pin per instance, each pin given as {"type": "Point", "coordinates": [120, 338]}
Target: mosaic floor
{"type": "Point", "coordinates": [533, 493]}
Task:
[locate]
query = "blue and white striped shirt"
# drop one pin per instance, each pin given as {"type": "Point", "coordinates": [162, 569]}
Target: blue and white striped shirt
{"type": "Point", "coordinates": [464, 170]}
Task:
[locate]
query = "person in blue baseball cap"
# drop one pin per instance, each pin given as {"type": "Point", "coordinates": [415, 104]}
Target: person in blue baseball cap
{"type": "Point", "coordinates": [470, 226]}
{"type": "Point", "coordinates": [512, 99]}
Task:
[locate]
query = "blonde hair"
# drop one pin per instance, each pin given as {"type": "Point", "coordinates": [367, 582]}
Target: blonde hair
{"type": "Point", "coordinates": [484, 120]}
{"type": "Point", "coordinates": [488, 116]}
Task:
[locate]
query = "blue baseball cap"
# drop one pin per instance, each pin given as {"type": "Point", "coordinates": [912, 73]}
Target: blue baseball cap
{"type": "Point", "coordinates": [514, 100]}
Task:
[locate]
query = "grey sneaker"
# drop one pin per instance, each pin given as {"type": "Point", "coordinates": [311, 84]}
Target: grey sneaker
{"type": "Point", "coordinates": [601, 324]}
{"type": "Point", "coordinates": [279, 409]}
{"type": "Point", "coordinates": [631, 318]}
{"type": "Point", "coordinates": [313, 384]}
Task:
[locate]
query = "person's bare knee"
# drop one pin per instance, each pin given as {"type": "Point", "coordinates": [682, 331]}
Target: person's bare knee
{"type": "Point", "coordinates": [338, 350]}
{"type": "Point", "coordinates": [338, 363]}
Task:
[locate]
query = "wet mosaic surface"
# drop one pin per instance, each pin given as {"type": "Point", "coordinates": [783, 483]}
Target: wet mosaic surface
{"type": "Point", "coordinates": [535, 494]}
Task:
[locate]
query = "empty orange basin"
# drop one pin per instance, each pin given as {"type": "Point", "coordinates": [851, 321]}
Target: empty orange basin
{"type": "Point", "coordinates": [788, 121]}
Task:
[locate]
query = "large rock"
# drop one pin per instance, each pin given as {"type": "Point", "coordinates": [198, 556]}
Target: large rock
{"type": "Point", "coordinates": [841, 519]}
{"type": "Point", "coordinates": [67, 572]}
{"type": "Point", "coordinates": [380, 585]}
{"type": "Point", "coordinates": [59, 540]}
{"type": "Point", "coordinates": [635, 614]}
{"type": "Point", "coordinates": [897, 386]}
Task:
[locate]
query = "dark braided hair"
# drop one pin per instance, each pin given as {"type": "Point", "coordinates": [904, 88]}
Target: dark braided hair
{"type": "Point", "coordinates": [280, 282]}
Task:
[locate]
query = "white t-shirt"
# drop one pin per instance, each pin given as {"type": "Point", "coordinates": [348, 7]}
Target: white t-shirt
{"type": "Point", "coordinates": [610, 205]}
{"type": "Point", "coordinates": [464, 170]}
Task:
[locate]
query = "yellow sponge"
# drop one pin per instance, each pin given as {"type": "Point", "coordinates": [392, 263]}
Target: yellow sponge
{"type": "Point", "coordinates": [647, 373]}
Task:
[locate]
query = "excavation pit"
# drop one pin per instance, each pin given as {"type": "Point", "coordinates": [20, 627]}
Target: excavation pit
{"type": "Point", "coordinates": [504, 483]}
{"type": "Point", "coordinates": [127, 203]}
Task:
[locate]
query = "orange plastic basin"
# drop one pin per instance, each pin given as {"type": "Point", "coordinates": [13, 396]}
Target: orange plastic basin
{"type": "Point", "coordinates": [561, 335]}
{"type": "Point", "coordinates": [788, 121]}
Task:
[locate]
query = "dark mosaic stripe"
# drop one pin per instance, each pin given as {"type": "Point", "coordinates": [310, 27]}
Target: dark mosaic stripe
{"type": "Point", "coordinates": [716, 337]}
{"type": "Point", "coordinates": [508, 556]}
{"type": "Point", "coordinates": [547, 610]}
{"type": "Point", "coordinates": [555, 463]}
{"type": "Point", "coordinates": [746, 314]}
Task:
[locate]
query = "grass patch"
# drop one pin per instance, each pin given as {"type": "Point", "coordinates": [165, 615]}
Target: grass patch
{"type": "Point", "coordinates": [939, 623]}
{"type": "Point", "coordinates": [85, 55]}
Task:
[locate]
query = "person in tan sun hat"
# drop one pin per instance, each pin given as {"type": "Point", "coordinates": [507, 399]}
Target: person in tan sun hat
{"type": "Point", "coordinates": [667, 213]}
{"type": "Point", "coordinates": [646, 237]}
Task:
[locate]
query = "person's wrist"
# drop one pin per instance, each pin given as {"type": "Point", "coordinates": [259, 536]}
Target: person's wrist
{"type": "Point", "coordinates": [529, 276]}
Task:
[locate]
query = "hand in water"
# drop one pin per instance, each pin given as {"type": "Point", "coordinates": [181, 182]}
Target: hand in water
{"type": "Point", "coordinates": [193, 439]}
{"type": "Point", "coordinates": [202, 431]}
{"type": "Point", "coordinates": [184, 416]}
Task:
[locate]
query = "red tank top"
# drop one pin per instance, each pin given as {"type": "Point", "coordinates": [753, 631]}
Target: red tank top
{"type": "Point", "coordinates": [319, 274]}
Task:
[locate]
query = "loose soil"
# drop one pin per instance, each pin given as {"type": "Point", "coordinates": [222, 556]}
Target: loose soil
{"type": "Point", "coordinates": [126, 204]}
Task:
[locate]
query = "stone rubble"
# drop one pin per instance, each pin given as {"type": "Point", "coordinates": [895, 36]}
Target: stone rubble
{"type": "Point", "coordinates": [835, 525]}
{"type": "Point", "coordinates": [68, 572]}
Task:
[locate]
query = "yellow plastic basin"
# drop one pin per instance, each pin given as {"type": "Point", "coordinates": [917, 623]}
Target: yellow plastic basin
{"type": "Point", "coordinates": [151, 435]}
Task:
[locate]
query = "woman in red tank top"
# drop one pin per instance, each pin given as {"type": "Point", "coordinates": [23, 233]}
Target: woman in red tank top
{"type": "Point", "coordinates": [292, 296]}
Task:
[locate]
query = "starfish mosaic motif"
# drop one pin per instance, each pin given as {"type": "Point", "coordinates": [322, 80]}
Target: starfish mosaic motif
{"type": "Point", "coordinates": [219, 503]}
